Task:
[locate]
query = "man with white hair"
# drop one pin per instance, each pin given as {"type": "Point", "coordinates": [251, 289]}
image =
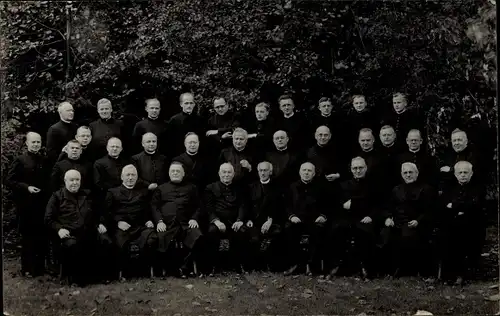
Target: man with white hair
{"type": "Point", "coordinates": [105, 127]}
{"type": "Point", "coordinates": [27, 178]}
{"type": "Point", "coordinates": [177, 212]}
{"type": "Point", "coordinates": [284, 161]}
{"type": "Point", "coordinates": [72, 161]}
{"type": "Point", "coordinates": [61, 132]}
{"type": "Point", "coordinates": [240, 156]}
{"type": "Point", "coordinates": [307, 215]}
{"type": "Point", "coordinates": [151, 164]}
{"type": "Point", "coordinates": [407, 219]}
{"type": "Point", "coordinates": [462, 224]}
{"type": "Point", "coordinates": [129, 213]}
{"type": "Point", "coordinates": [152, 124]}
{"type": "Point", "coordinates": [227, 214]}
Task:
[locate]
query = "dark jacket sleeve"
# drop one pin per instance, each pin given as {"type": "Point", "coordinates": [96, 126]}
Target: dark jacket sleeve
{"type": "Point", "coordinates": [195, 203]}
{"type": "Point", "coordinates": [11, 179]}
{"type": "Point", "coordinates": [290, 202]}
{"type": "Point", "coordinates": [113, 217]}
{"type": "Point", "coordinates": [53, 142]}
{"type": "Point", "coordinates": [427, 205]}
{"type": "Point", "coordinates": [243, 209]}
{"type": "Point", "coordinates": [210, 204]}
{"type": "Point", "coordinates": [51, 212]}
{"type": "Point", "coordinates": [156, 206]}
{"type": "Point", "coordinates": [55, 177]}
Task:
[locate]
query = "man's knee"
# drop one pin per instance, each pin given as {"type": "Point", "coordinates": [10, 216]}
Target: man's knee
{"type": "Point", "coordinates": [152, 240]}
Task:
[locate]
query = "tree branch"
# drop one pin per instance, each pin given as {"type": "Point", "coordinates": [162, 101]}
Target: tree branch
{"type": "Point", "coordinates": [51, 28]}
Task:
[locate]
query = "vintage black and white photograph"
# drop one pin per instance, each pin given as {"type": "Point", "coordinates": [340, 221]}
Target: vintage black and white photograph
{"type": "Point", "coordinates": [249, 157]}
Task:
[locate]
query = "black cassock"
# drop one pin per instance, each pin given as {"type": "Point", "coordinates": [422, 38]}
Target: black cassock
{"type": "Point", "coordinates": [403, 123]}
{"type": "Point", "coordinates": [107, 173]}
{"type": "Point", "coordinates": [428, 171]}
{"type": "Point", "coordinates": [58, 136]}
{"type": "Point", "coordinates": [89, 154]}
{"type": "Point", "coordinates": [152, 168]}
{"type": "Point", "coordinates": [241, 175]}
{"type": "Point", "coordinates": [27, 170]}
{"type": "Point", "coordinates": [178, 126]}
{"type": "Point", "coordinates": [389, 156]}
{"type": "Point", "coordinates": [297, 129]}
{"type": "Point", "coordinates": [334, 122]}
{"type": "Point", "coordinates": [451, 157]}
{"type": "Point", "coordinates": [61, 167]}
{"type": "Point", "coordinates": [147, 125]}
{"type": "Point", "coordinates": [222, 123]}
{"type": "Point", "coordinates": [354, 122]}
{"type": "Point", "coordinates": [326, 160]}
{"type": "Point", "coordinates": [266, 201]}
{"type": "Point", "coordinates": [286, 165]}
{"type": "Point", "coordinates": [102, 131]}
{"type": "Point", "coordinates": [131, 206]}
{"type": "Point", "coordinates": [264, 139]}
{"type": "Point", "coordinates": [197, 168]}
{"type": "Point", "coordinates": [376, 165]}
{"type": "Point", "coordinates": [176, 204]}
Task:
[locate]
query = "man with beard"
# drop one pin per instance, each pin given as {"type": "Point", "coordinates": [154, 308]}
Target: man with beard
{"type": "Point", "coordinates": [73, 161]}
{"type": "Point", "coordinates": [84, 137]}
{"type": "Point", "coordinates": [325, 116]}
{"type": "Point", "coordinates": [150, 164]}
{"type": "Point", "coordinates": [196, 167]}
{"type": "Point", "coordinates": [226, 208]}
{"type": "Point", "coordinates": [128, 209]}
{"type": "Point", "coordinates": [221, 125]}
{"type": "Point", "coordinates": [426, 164]}
{"type": "Point", "coordinates": [359, 200]}
{"type": "Point", "coordinates": [70, 214]}
{"type": "Point", "coordinates": [407, 220]}
{"type": "Point", "coordinates": [294, 124]}
{"type": "Point", "coordinates": [240, 157]}
{"type": "Point", "coordinates": [265, 218]}
{"type": "Point", "coordinates": [285, 163]}
{"type": "Point", "coordinates": [358, 117]}
{"type": "Point", "coordinates": [402, 119]}
{"type": "Point", "coordinates": [306, 216]}
{"type": "Point", "coordinates": [105, 127]}
{"type": "Point", "coordinates": [176, 212]}
{"type": "Point", "coordinates": [62, 132]}
{"type": "Point", "coordinates": [182, 123]}
{"type": "Point", "coordinates": [323, 156]}
{"type": "Point", "coordinates": [261, 129]}
{"type": "Point", "coordinates": [152, 124]}
{"type": "Point", "coordinates": [26, 178]}
{"type": "Point", "coordinates": [462, 224]}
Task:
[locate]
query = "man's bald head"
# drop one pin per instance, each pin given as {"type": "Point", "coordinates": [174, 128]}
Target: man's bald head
{"type": "Point", "coordinates": [463, 171]}
{"type": "Point", "coordinates": [409, 172]}
{"type": "Point", "coordinates": [33, 142]}
{"type": "Point", "coordinates": [66, 111]}
{"type": "Point", "coordinates": [414, 140]}
{"type": "Point", "coordinates": [72, 180]}
{"type": "Point", "coordinates": [84, 135]}
{"type": "Point", "coordinates": [114, 147]}
{"type": "Point", "coordinates": [323, 135]}
{"type": "Point", "coordinates": [459, 140]}
{"type": "Point", "coordinates": [307, 171]}
{"type": "Point", "coordinates": [192, 143]}
{"type": "Point", "coordinates": [226, 173]}
{"type": "Point", "coordinates": [280, 140]}
{"type": "Point", "coordinates": [358, 167]}
{"type": "Point", "coordinates": [149, 142]}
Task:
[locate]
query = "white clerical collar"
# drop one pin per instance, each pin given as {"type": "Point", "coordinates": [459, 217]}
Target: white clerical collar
{"type": "Point", "coordinates": [152, 118]}
{"type": "Point", "coordinates": [404, 110]}
{"type": "Point", "coordinates": [150, 153]}
{"type": "Point", "coordinates": [68, 122]}
{"type": "Point", "coordinates": [367, 151]}
{"type": "Point", "coordinates": [305, 181]}
{"type": "Point", "coordinates": [191, 154]}
{"type": "Point", "coordinates": [283, 149]}
{"type": "Point", "coordinates": [265, 182]}
{"type": "Point", "coordinates": [128, 186]}
{"type": "Point", "coordinates": [389, 146]}
{"type": "Point", "coordinates": [329, 114]}
{"type": "Point", "coordinates": [239, 149]}
{"type": "Point", "coordinates": [114, 157]}
{"type": "Point", "coordinates": [289, 116]}
{"type": "Point", "coordinates": [414, 151]}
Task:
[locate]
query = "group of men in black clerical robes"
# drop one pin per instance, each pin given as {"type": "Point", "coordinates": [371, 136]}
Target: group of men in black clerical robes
{"type": "Point", "coordinates": [291, 193]}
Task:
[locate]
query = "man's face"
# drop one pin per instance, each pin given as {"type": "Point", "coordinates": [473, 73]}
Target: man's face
{"type": "Point", "coordinates": [105, 111]}
{"type": "Point", "coordinates": [307, 172]}
{"type": "Point", "coordinates": [114, 148]}
{"type": "Point", "coordinates": [34, 142]}
{"type": "Point", "coordinates": [176, 173]}
{"type": "Point", "coordinates": [280, 140]}
{"type": "Point", "coordinates": [239, 141]}
{"type": "Point", "coordinates": [74, 151]}
{"type": "Point", "coordinates": [387, 136]}
{"type": "Point", "coordinates": [358, 169]}
{"type": "Point", "coordinates": [72, 182]}
{"type": "Point", "coordinates": [414, 141]}
{"type": "Point", "coordinates": [366, 140]}
{"type": "Point", "coordinates": [149, 143]}
{"type": "Point", "coordinates": [287, 106]}
{"type": "Point", "coordinates": [459, 141]}
{"type": "Point", "coordinates": [463, 174]}
{"type": "Point", "coordinates": [129, 177]}
{"type": "Point", "coordinates": [322, 136]}
{"type": "Point", "coordinates": [409, 174]}
{"type": "Point", "coordinates": [187, 103]}
{"type": "Point", "coordinates": [264, 171]}
{"type": "Point", "coordinates": [226, 174]}
{"type": "Point", "coordinates": [261, 113]}
{"type": "Point", "coordinates": [220, 106]}
{"type": "Point", "coordinates": [192, 144]}
{"type": "Point", "coordinates": [67, 113]}
{"type": "Point", "coordinates": [325, 108]}
{"type": "Point", "coordinates": [153, 109]}
{"type": "Point", "coordinates": [359, 104]}
{"type": "Point", "coordinates": [84, 136]}
{"type": "Point", "coordinates": [399, 104]}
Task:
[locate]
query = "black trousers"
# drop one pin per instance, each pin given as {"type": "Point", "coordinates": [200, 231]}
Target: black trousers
{"type": "Point", "coordinates": [238, 241]}
{"type": "Point", "coordinates": [34, 249]}
{"type": "Point", "coordinates": [265, 248]}
{"type": "Point", "coordinates": [294, 234]}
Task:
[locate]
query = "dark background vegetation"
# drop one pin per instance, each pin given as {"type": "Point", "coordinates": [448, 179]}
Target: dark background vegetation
{"type": "Point", "coordinates": [441, 53]}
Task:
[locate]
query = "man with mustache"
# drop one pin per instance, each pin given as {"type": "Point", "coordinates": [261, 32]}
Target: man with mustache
{"type": "Point", "coordinates": [27, 180]}
{"type": "Point", "coordinates": [150, 164]}
{"type": "Point", "coordinates": [129, 214]}
{"type": "Point", "coordinates": [240, 156]}
{"type": "Point", "coordinates": [62, 132]}
{"type": "Point", "coordinates": [293, 123]}
{"type": "Point", "coordinates": [105, 127]}
{"type": "Point", "coordinates": [152, 124]}
{"type": "Point", "coordinates": [72, 161]}
{"type": "Point", "coordinates": [176, 212]}
{"type": "Point", "coordinates": [285, 162]}
{"type": "Point", "coordinates": [407, 219]}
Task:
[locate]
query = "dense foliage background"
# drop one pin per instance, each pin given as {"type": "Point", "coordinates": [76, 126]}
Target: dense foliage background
{"type": "Point", "coordinates": [441, 53]}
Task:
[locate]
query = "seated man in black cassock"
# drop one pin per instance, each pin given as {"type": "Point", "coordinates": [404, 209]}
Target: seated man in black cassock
{"type": "Point", "coordinates": [75, 161]}
{"type": "Point", "coordinates": [129, 211]}
{"type": "Point", "coordinates": [260, 129]}
{"type": "Point", "coordinates": [240, 156]}
{"type": "Point", "coordinates": [226, 208]}
{"type": "Point", "coordinates": [151, 165]}
{"type": "Point", "coordinates": [463, 222]}
{"type": "Point", "coordinates": [285, 162]}
{"type": "Point", "coordinates": [105, 128]}
{"type": "Point", "coordinates": [27, 178]}
{"type": "Point", "coordinates": [152, 124]}
{"type": "Point", "coordinates": [265, 218]}
{"type": "Point", "coordinates": [306, 209]}
{"type": "Point", "coordinates": [197, 166]}
{"type": "Point", "coordinates": [176, 212]}
{"type": "Point", "coordinates": [326, 160]}
{"type": "Point", "coordinates": [407, 219]}
{"type": "Point", "coordinates": [61, 132]}
{"type": "Point", "coordinates": [71, 215]}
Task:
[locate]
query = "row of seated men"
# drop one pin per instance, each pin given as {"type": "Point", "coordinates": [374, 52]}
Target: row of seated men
{"type": "Point", "coordinates": [228, 206]}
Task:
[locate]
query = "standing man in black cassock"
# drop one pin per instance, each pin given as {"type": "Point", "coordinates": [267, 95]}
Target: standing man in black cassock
{"type": "Point", "coordinates": [327, 116]}
{"type": "Point", "coordinates": [260, 129]}
{"type": "Point", "coordinates": [294, 124]}
{"type": "Point", "coordinates": [151, 165]}
{"type": "Point", "coordinates": [152, 124]}
{"type": "Point", "coordinates": [27, 179]}
{"type": "Point", "coordinates": [220, 127]}
{"type": "Point", "coordinates": [358, 117]}
{"type": "Point", "coordinates": [61, 132]}
{"type": "Point", "coordinates": [105, 128]}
